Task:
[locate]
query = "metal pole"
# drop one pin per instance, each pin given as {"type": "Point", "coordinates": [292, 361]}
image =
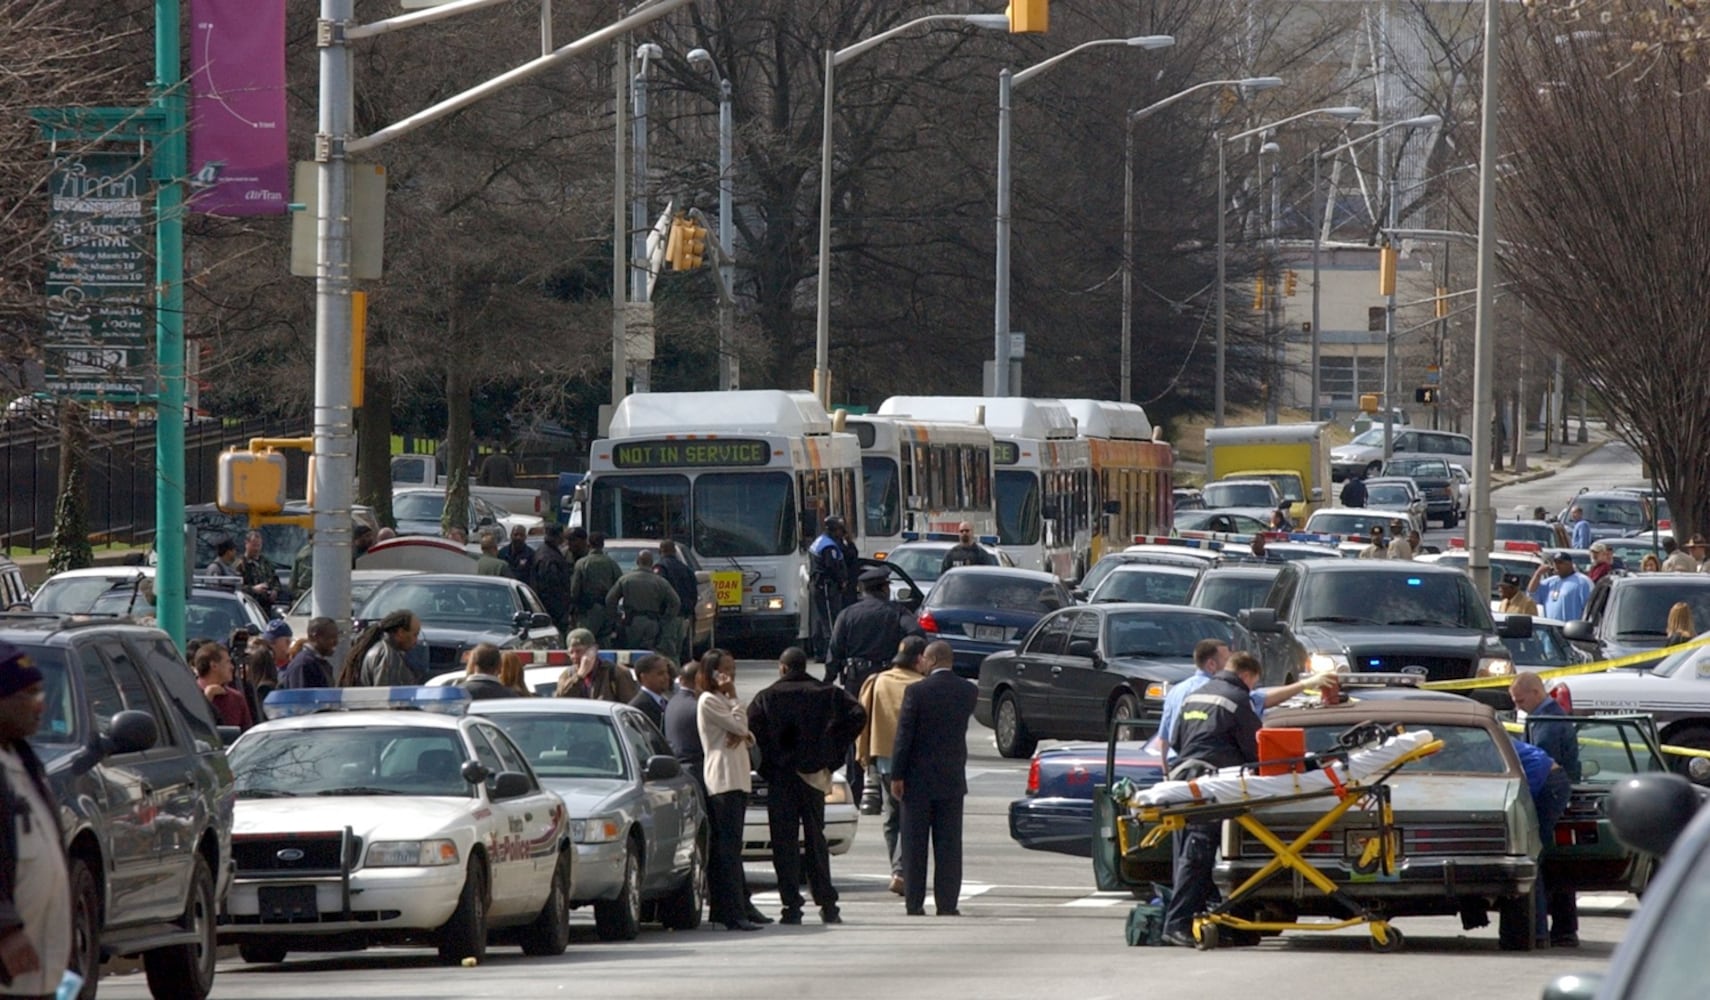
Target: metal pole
{"type": "Point", "coordinates": [1127, 376]}
{"type": "Point", "coordinates": [1484, 337]}
{"type": "Point", "coordinates": [1318, 211]}
{"type": "Point", "coordinates": [620, 361]}
{"type": "Point", "coordinates": [728, 371]}
{"type": "Point", "coordinates": [1222, 251]}
{"type": "Point", "coordinates": [1000, 352]}
{"type": "Point", "coordinates": [335, 430]}
{"type": "Point", "coordinates": [170, 166]}
{"type": "Point", "coordinates": [822, 326]}
{"type": "Point", "coordinates": [1273, 308]}
{"type": "Point", "coordinates": [640, 368]}
{"type": "Point", "coordinates": [545, 27]}
{"type": "Point", "coordinates": [1389, 331]}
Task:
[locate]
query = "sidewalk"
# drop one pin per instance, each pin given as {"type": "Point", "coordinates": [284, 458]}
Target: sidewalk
{"type": "Point", "coordinates": [1542, 466]}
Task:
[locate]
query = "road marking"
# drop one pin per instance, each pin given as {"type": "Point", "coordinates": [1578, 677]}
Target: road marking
{"type": "Point", "coordinates": [1605, 901]}
{"type": "Point", "coordinates": [1092, 902]}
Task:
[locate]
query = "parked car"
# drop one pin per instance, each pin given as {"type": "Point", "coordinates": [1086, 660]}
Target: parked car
{"type": "Point", "coordinates": [1242, 492]}
{"type": "Point", "coordinates": [1544, 534]}
{"type": "Point", "coordinates": [1434, 481]}
{"type": "Point", "coordinates": [1145, 583]}
{"type": "Point", "coordinates": [1225, 520]}
{"type": "Point", "coordinates": [1353, 523]}
{"type": "Point", "coordinates": [1365, 452]}
{"type": "Point", "coordinates": [134, 759]}
{"type": "Point", "coordinates": [1631, 551]}
{"type": "Point", "coordinates": [459, 612]}
{"type": "Point", "coordinates": [427, 471]}
{"type": "Point", "coordinates": [1675, 691]}
{"type": "Point", "coordinates": [842, 819]}
{"type": "Point", "coordinates": [358, 824]}
{"type": "Point", "coordinates": [362, 584]}
{"type": "Point", "coordinates": [280, 543]}
{"type": "Point", "coordinates": [216, 606]}
{"type": "Point", "coordinates": [418, 512]}
{"type": "Point", "coordinates": [1545, 649]}
{"type": "Point", "coordinates": [1055, 812]}
{"type": "Point", "coordinates": [1503, 561]}
{"type": "Point", "coordinates": [1400, 496]}
{"type": "Point", "coordinates": [1462, 488]}
{"type": "Point", "coordinates": [1233, 587]}
{"type": "Point", "coordinates": [923, 560]}
{"type": "Point", "coordinates": [1083, 668]}
{"type": "Point", "coordinates": [1612, 513]}
{"type": "Point", "coordinates": [635, 816]}
{"type": "Point", "coordinates": [1184, 498]}
{"type": "Point", "coordinates": [1629, 614]}
{"type": "Point", "coordinates": [980, 610]}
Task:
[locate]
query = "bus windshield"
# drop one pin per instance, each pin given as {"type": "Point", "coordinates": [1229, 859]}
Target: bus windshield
{"type": "Point", "coordinates": [655, 506]}
{"type": "Point", "coordinates": [744, 514]}
{"type": "Point", "coordinates": [881, 501]}
{"type": "Point", "coordinates": [1018, 507]}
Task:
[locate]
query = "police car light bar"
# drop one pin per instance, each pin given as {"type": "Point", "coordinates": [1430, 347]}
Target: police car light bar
{"type": "Point", "coordinates": [1305, 537]}
{"type": "Point", "coordinates": [447, 700]}
{"type": "Point", "coordinates": [1457, 543]}
{"type": "Point", "coordinates": [1522, 547]}
{"type": "Point", "coordinates": [1186, 541]}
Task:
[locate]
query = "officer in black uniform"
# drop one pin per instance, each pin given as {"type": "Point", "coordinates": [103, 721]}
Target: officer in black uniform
{"type": "Point", "coordinates": [1218, 727]}
{"type": "Point", "coordinates": [863, 640]}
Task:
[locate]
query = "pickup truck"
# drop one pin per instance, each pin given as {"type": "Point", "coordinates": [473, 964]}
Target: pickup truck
{"type": "Point", "coordinates": [1374, 616]}
{"type": "Point", "coordinates": [1435, 481]}
{"type": "Point", "coordinates": [1629, 614]}
{"type": "Point", "coordinates": [426, 470]}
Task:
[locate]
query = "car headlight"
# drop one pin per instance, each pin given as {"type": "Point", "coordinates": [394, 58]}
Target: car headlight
{"type": "Point", "coordinates": [595, 830]}
{"type": "Point", "coordinates": [839, 794]}
{"type": "Point", "coordinates": [1157, 689]}
{"type": "Point", "coordinates": [411, 853]}
{"type": "Point", "coordinates": [1495, 666]}
{"type": "Point", "coordinates": [1326, 663]}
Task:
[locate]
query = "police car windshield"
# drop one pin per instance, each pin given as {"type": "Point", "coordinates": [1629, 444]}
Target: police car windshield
{"type": "Point", "coordinates": [384, 760]}
{"type": "Point", "coordinates": [561, 745]}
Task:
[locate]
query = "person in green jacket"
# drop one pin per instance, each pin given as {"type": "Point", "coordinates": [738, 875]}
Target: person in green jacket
{"type": "Point", "coordinates": [592, 580]}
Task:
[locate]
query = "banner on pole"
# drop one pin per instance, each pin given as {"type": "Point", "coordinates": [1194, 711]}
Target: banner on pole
{"type": "Point", "coordinates": [238, 158]}
{"type": "Point", "coordinates": [98, 276]}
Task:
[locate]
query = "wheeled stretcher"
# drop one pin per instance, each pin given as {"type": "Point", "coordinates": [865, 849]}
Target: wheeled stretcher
{"type": "Point", "coordinates": [1354, 774]}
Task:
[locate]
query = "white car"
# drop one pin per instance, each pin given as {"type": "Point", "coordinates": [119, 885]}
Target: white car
{"type": "Point", "coordinates": [361, 822]}
{"type": "Point", "coordinates": [922, 560]}
{"type": "Point", "coordinates": [216, 608]}
{"type": "Point", "coordinates": [841, 819]}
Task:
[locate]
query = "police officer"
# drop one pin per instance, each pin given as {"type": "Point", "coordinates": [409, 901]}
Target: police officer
{"type": "Point", "coordinates": [863, 640]}
{"type": "Point", "coordinates": [1218, 728]}
{"type": "Point", "coordinates": [826, 581]}
{"type": "Point", "coordinates": [644, 607]}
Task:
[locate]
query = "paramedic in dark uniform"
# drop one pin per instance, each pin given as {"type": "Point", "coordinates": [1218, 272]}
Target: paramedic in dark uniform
{"type": "Point", "coordinates": [863, 641]}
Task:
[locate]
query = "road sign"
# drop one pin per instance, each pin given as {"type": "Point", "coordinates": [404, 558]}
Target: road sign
{"type": "Point", "coordinates": [98, 308]}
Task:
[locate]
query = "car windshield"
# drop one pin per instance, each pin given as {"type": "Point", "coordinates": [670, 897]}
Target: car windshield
{"type": "Point", "coordinates": [59, 713]}
{"type": "Point", "coordinates": [1388, 494]}
{"type": "Point", "coordinates": [561, 745]}
{"type": "Point", "coordinates": [1385, 598]}
{"type": "Point", "coordinates": [1218, 520]}
{"type": "Point", "coordinates": [1287, 484]}
{"type": "Point", "coordinates": [360, 591]}
{"type": "Point", "coordinates": [1369, 438]}
{"type": "Point", "coordinates": [639, 506]}
{"type": "Point", "coordinates": [1167, 636]}
{"type": "Point", "coordinates": [378, 760]}
{"type": "Point", "coordinates": [1238, 495]}
{"type": "Point", "coordinates": [922, 564]}
{"type": "Point", "coordinates": [1151, 585]}
{"type": "Point", "coordinates": [216, 615]}
{"type": "Point", "coordinates": [445, 602]}
{"type": "Point", "coordinates": [422, 506]}
{"type": "Point", "coordinates": [1620, 512]}
{"type": "Point", "coordinates": [1230, 593]}
{"type": "Point", "coordinates": [1466, 749]}
{"type": "Point", "coordinates": [71, 595]}
{"type": "Point", "coordinates": [1418, 468]}
{"type": "Point", "coordinates": [1545, 647]}
{"type": "Point", "coordinates": [996, 591]}
{"type": "Point", "coordinates": [1642, 612]}
{"type": "Point", "coordinates": [1345, 524]}
{"type": "Point", "coordinates": [1018, 511]}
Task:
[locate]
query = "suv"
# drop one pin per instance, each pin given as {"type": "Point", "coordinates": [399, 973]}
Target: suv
{"type": "Point", "coordinates": [1366, 450]}
{"type": "Point", "coordinates": [1629, 614]}
{"type": "Point", "coordinates": [1435, 482]}
{"type": "Point", "coordinates": [1375, 616]}
{"type": "Point", "coordinates": [133, 755]}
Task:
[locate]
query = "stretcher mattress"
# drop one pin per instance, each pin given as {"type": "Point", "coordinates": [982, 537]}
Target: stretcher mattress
{"type": "Point", "coordinates": [1234, 784]}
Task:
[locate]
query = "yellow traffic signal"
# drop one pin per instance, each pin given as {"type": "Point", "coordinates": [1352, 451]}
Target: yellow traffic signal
{"type": "Point", "coordinates": [251, 482]}
{"type": "Point", "coordinates": [693, 246]}
{"type": "Point", "coordinates": [1258, 293]}
{"type": "Point", "coordinates": [1029, 16]}
{"type": "Point", "coordinates": [1289, 280]}
{"type": "Point", "coordinates": [674, 245]}
{"type": "Point", "coordinates": [1386, 270]}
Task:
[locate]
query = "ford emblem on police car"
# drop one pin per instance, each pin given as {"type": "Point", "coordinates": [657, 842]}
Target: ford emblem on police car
{"type": "Point", "coordinates": [1416, 670]}
{"type": "Point", "coordinates": [289, 854]}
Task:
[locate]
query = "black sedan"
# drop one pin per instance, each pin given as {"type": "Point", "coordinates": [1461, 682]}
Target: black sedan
{"type": "Point", "coordinates": [1082, 668]}
{"type": "Point", "coordinates": [460, 611]}
{"type": "Point", "coordinates": [980, 610]}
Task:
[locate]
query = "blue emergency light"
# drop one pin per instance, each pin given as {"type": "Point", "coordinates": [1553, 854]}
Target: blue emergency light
{"type": "Point", "coordinates": [446, 700]}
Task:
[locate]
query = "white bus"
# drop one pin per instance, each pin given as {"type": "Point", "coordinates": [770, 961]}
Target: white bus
{"type": "Point", "coordinates": [744, 479]}
{"type": "Point", "coordinates": [1042, 480]}
{"type": "Point", "coordinates": [921, 477]}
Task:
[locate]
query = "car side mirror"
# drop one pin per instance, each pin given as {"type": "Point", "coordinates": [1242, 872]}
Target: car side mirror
{"type": "Point", "coordinates": [1574, 986]}
{"type": "Point", "coordinates": [131, 732]}
{"type": "Point", "coordinates": [1519, 627]}
{"type": "Point", "coordinates": [1083, 647]}
{"type": "Point", "coordinates": [522, 621]}
{"type": "Point", "coordinates": [1079, 595]}
{"type": "Point", "coordinates": [1579, 631]}
{"type": "Point", "coordinates": [1259, 620]}
{"type": "Point", "coordinates": [1316, 495]}
{"type": "Point", "coordinates": [511, 785]}
{"type": "Point", "coordinates": [1648, 811]}
{"type": "Point", "coordinates": [661, 767]}
{"type": "Point", "coordinates": [474, 772]}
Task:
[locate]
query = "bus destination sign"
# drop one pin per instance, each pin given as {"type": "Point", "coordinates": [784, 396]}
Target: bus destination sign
{"type": "Point", "coordinates": [1005, 453]}
{"type": "Point", "coordinates": [690, 454]}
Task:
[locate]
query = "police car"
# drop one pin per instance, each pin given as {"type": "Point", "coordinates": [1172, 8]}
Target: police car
{"type": "Point", "coordinates": [389, 816]}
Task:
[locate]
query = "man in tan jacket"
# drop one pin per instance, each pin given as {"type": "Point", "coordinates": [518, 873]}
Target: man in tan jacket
{"type": "Point", "coordinates": [882, 697]}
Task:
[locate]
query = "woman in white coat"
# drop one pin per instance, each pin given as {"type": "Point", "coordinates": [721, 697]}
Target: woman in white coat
{"type": "Point", "coordinates": [723, 724]}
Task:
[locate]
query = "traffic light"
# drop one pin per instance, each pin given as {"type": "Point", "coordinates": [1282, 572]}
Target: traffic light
{"type": "Point", "coordinates": [1258, 293]}
{"type": "Point", "coordinates": [1386, 270]}
{"type": "Point", "coordinates": [1029, 16]}
{"type": "Point", "coordinates": [674, 245]}
{"type": "Point", "coordinates": [1289, 280]}
{"type": "Point", "coordinates": [693, 246]}
{"type": "Point", "coordinates": [1427, 394]}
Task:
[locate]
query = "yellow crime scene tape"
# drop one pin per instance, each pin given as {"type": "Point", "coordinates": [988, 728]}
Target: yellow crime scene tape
{"type": "Point", "coordinates": [1515, 727]}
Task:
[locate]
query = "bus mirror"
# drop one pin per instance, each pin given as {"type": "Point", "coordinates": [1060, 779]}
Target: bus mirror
{"type": "Point", "coordinates": [1317, 494]}
{"type": "Point", "coordinates": [1113, 506]}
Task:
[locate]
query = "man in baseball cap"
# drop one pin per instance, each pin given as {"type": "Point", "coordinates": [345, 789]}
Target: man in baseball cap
{"type": "Point", "coordinates": [35, 890]}
{"type": "Point", "coordinates": [1563, 595]}
{"type": "Point", "coordinates": [278, 636]}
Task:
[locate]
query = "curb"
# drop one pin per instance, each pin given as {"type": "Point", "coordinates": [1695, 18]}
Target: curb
{"type": "Point", "coordinates": [1532, 477]}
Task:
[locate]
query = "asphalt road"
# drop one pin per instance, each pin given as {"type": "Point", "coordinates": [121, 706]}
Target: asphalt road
{"type": "Point", "coordinates": [1032, 927]}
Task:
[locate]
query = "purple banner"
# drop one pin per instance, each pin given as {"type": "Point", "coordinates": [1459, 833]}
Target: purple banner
{"type": "Point", "coordinates": [238, 161]}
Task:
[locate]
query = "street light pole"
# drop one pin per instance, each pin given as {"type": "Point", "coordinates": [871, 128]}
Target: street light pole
{"type": "Point", "coordinates": [1389, 321]}
{"type": "Point", "coordinates": [1318, 210]}
{"type": "Point", "coordinates": [1484, 350]}
{"type": "Point", "coordinates": [729, 372]}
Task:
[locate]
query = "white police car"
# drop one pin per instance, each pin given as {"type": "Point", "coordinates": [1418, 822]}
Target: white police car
{"type": "Point", "coordinates": [388, 816]}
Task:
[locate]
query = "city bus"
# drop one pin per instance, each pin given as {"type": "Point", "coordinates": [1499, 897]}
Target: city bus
{"type": "Point", "coordinates": [923, 476]}
{"type": "Point", "coordinates": [1132, 473]}
{"type": "Point", "coordinates": [1041, 475]}
{"type": "Point", "coordinates": [744, 479]}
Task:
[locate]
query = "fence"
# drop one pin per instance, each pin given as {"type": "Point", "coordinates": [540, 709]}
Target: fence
{"type": "Point", "coordinates": [118, 477]}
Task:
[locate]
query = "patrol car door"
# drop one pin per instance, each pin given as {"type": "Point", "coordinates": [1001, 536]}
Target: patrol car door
{"type": "Point", "coordinates": [658, 804]}
{"type": "Point", "coordinates": [545, 820]}
{"type": "Point", "coordinates": [1584, 851]}
{"type": "Point", "coordinates": [505, 832]}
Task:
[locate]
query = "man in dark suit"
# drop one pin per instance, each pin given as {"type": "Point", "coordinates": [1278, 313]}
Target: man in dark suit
{"type": "Point", "coordinates": [929, 776]}
{"type": "Point", "coordinates": [653, 672]}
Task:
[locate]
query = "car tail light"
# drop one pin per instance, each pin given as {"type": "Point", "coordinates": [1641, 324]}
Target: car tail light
{"type": "Point", "coordinates": [1033, 777]}
{"type": "Point", "coordinates": [1563, 697]}
{"type": "Point", "coordinates": [927, 622]}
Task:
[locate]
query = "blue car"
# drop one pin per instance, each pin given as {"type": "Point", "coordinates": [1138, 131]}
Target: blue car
{"type": "Point", "coordinates": [981, 610]}
{"type": "Point", "coordinates": [1056, 813]}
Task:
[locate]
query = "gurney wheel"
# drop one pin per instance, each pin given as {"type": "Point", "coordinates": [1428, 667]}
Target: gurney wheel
{"type": "Point", "coordinates": [1207, 937]}
{"type": "Point", "coordinates": [1391, 941]}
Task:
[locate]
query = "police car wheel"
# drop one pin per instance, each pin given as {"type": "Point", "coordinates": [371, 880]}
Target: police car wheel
{"type": "Point", "coordinates": [620, 919]}
{"type": "Point", "coordinates": [549, 934]}
{"type": "Point", "coordinates": [1010, 733]}
{"type": "Point", "coordinates": [465, 934]}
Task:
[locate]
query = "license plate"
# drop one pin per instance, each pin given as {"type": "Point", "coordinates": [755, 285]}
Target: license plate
{"type": "Point", "coordinates": [989, 633]}
{"type": "Point", "coordinates": [284, 904]}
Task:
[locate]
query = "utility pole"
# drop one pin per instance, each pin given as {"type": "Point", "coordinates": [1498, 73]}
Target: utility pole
{"type": "Point", "coordinates": [729, 367]}
{"type": "Point", "coordinates": [620, 229]}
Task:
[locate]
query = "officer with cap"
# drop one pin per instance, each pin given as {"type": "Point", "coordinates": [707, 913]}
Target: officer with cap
{"type": "Point", "coordinates": [827, 578]}
{"type": "Point", "coordinates": [863, 640]}
{"type": "Point", "coordinates": [35, 888]}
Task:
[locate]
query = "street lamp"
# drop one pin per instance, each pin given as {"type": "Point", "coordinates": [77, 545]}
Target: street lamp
{"type": "Point", "coordinates": [1250, 85]}
{"type": "Point", "coordinates": [1007, 81]}
{"type": "Point", "coordinates": [1409, 124]}
{"type": "Point", "coordinates": [834, 59]}
{"type": "Point", "coordinates": [639, 292]}
{"type": "Point", "coordinates": [729, 372]}
{"type": "Point", "coordinates": [1343, 113]}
